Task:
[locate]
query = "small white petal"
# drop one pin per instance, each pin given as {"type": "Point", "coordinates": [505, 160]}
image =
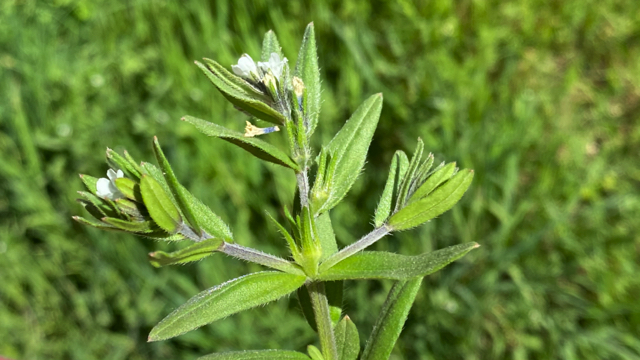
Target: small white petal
{"type": "Point", "coordinates": [103, 188]}
{"type": "Point", "coordinates": [112, 175]}
{"type": "Point", "coordinates": [120, 174]}
{"type": "Point", "coordinates": [245, 66]}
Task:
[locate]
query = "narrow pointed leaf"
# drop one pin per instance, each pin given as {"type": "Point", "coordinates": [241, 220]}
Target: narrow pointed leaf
{"type": "Point", "coordinates": [308, 70]}
{"type": "Point", "coordinates": [131, 226]}
{"type": "Point", "coordinates": [89, 182]}
{"type": "Point", "coordinates": [405, 185]}
{"type": "Point", "coordinates": [191, 253]}
{"type": "Point", "coordinates": [384, 205]}
{"type": "Point", "coordinates": [441, 200]}
{"type": "Point", "coordinates": [129, 207]}
{"type": "Point", "coordinates": [326, 236]}
{"type": "Point", "coordinates": [103, 205]}
{"type": "Point", "coordinates": [175, 187]}
{"type": "Point", "coordinates": [391, 320]}
{"type": "Point", "coordinates": [234, 82]}
{"type": "Point", "coordinates": [226, 299]}
{"type": "Point", "coordinates": [248, 102]}
{"type": "Point", "coordinates": [270, 45]}
{"type": "Point", "coordinates": [97, 225]}
{"type": "Point", "coordinates": [257, 355]}
{"type": "Point", "coordinates": [349, 150]}
{"type": "Point", "coordinates": [259, 148]}
{"type": "Point", "coordinates": [435, 180]}
{"type": "Point", "coordinates": [160, 206]}
{"type": "Point", "coordinates": [347, 339]}
{"type": "Point", "coordinates": [386, 265]}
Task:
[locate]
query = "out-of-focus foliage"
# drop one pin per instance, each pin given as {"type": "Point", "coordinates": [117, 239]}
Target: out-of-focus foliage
{"type": "Point", "coordinates": [540, 98]}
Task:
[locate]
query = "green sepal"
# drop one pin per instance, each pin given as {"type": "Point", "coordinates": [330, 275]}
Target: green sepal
{"type": "Point", "coordinates": [175, 187]}
{"type": "Point", "coordinates": [436, 179]}
{"type": "Point", "coordinates": [195, 252]}
{"type": "Point", "coordinates": [349, 150]}
{"type": "Point", "coordinates": [226, 299]}
{"type": "Point", "coordinates": [386, 265]}
{"type": "Point", "coordinates": [439, 201]}
{"type": "Point", "coordinates": [97, 225]}
{"type": "Point", "coordinates": [259, 148]}
{"type": "Point", "coordinates": [140, 227]}
{"type": "Point", "coordinates": [314, 353]}
{"type": "Point", "coordinates": [308, 70]}
{"type": "Point", "coordinates": [129, 188]}
{"type": "Point", "coordinates": [240, 93]}
{"type": "Point", "coordinates": [117, 161]}
{"type": "Point", "coordinates": [383, 210]}
{"type": "Point", "coordinates": [105, 206]}
{"type": "Point", "coordinates": [409, 176]}
{"type": "Point", "coordinates": [130, 208]}
{"type": "Point", "coordinates": [347, 339]}
{"type": "Point", "coordinates": [90, 183]}
{"type": "Point", "coordinates": [391, 320]}
{"type": "Point", "coordinates": [270, 45]}
{"type": "Point", "coordinates": [92, 209]}
{"type": "Point", "coordinates": [159, 205]}
{"type": "Point", "coordinates": [256, 355]}
{"type": "Point", "coordinates": [293, 246]}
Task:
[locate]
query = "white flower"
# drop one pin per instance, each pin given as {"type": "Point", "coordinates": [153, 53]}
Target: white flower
{"type": "Point", "coordinates": [246, 66]}
{"type": "Point", "coordinates": [274, 64]}
{"type": "Point", "coordinates": [106, 188]}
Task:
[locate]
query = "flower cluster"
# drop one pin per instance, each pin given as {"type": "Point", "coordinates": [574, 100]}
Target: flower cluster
{"type": "Point", "coordinates": [247, 68]}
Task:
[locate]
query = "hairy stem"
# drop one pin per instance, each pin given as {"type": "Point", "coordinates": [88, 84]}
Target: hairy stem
{"type": "Point", "coordinates": [359, 245]}
{"type": "Point", "coordinates": [323, 320]}
{"type": "Point", "coordinates": [258, 257]}
{"type": "Point", "coordinates": [303, 187]}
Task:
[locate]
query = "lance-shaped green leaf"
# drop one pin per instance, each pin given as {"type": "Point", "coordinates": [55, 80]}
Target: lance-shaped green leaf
{"type": "Point", "coordinates": [105, 206]}
{"type": "Point", "coordinates": [257, 355]}
{"type": "Point", "coordinates": [160, 206]}
{"type": "Point", "coordinates": [259, 148]}
{"type": "Point", "coordinates": [195, 252]}
{"type": "Point", "coordinates": [441, 200]}
{"type": "Point", "coordinates": [95, 224]}
{"type": "Point", "coordinates": [386, 265]}
{"type": "Point", "coordinates": [391, 320]}
{"type": "Point", "coordinates": [232, 87]}
{"type": "Point", "coordinates": [175, 187]}
{"type": "Point", "coordinates": [347, 339]}
{"type": "Point", "coordinates": [308, 70]}
{"type": "Point", "coordinates": [436, 179]}
{"type": "Point", "coordinates": [409, 176]}
{"type": "Point", "coordinates": [226, 299]}
{"type": "Point", "coordinates": [348, 150]}
{"type": "Point", "coordinates": [270, 44]}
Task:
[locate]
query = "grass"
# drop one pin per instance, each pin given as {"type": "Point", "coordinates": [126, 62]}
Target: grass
{"type": "Point", "coordinates": [541, 98]}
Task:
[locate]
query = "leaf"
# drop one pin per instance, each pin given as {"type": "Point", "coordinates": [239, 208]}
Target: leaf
{"type": "Point", "coordinates": [141, 227]}
{"type": "Point", "coordinates": [160, 206]}
{"type": "Point", "coordinates": [253, 101]}
{"type": "Point", "coordinates": [348, 150]}
{"type": "Point", "coordinates": [385, 265]}
{"type": "Point", "coordinates": [94, 224]}
{"type": "Point", "coordinates": [347, 339]}
{"type": "Point", "coordinates": [175, 187]}
{"type": "Point", "coordinates": [89, 182]}
{"type": "Point", "coordinates": [129, 188]}
{"type": "Point", "coordinates": [308, 70]}
{"type": "Point", "coordinates": [326, 236]}
{"type": "Point", "coordinates": [191, 253]}
{"type": "Point", "coordinates": [314, 353]}
{"type": "Point", "coordinates": [257, 355]}
{"type": "Point", "coordinates": [405, 185]}
{"type": "Point", "coordinates": [441, 200]}
{"type": "Point", "coordinates": [270, 45]}
{"type": "Point", "coordinates": [391, 320]}
{"type": "Point", "coordinates": [436, 179]}
{"type": "Point", "coordinates": [226, 299]}
{"type": "Point", "coordinates": [259, 148]}
{"type": "Point", "coordinates": [384, 205]}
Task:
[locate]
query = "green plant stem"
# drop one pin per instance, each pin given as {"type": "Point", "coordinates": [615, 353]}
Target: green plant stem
{"type": "Point", "coordinates": [323, 320]}
{"type": "Point", "coordinates": [303, 187]}
{"type": "Point", "coordinates": [359, 245]}
{"type": "Point", "coordinates": [258, 257]}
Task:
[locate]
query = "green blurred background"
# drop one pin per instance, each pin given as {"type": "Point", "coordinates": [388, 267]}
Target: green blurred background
{"type": "Point", "coordinates": [541, 98]}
